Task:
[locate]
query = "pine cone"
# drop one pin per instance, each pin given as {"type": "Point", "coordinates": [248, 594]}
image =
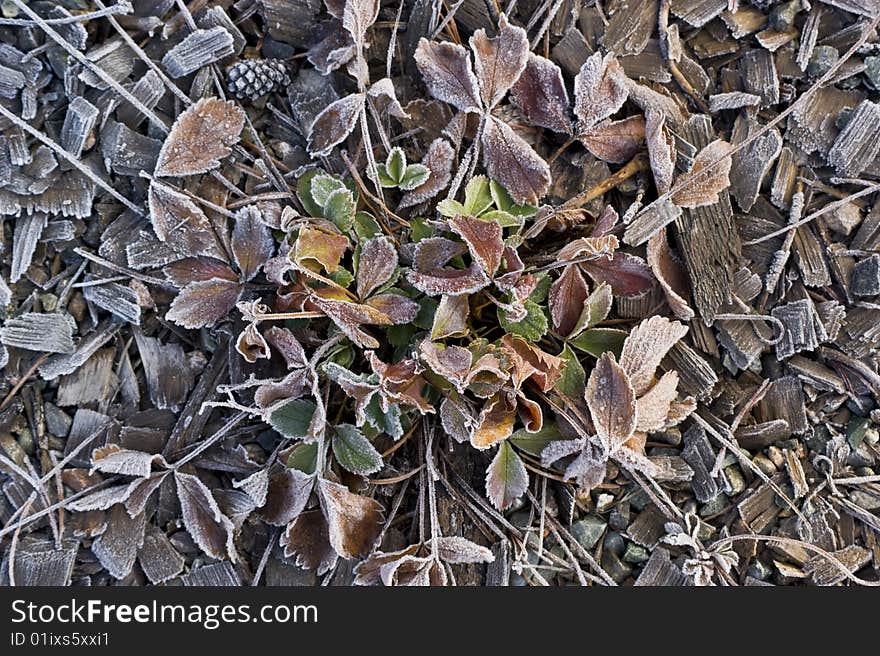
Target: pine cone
{"type": "Point", "coordinates": [253, 78]}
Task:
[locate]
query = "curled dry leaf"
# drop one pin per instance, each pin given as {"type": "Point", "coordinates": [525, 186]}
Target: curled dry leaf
{"type": "Point", "coordinates": [200, 137]}
{"type": "Point", "coordinates": [612, 403]}
{"type": "Point", "coordinates": [209, 528]}
{"type": "Point", "coordinates": [320, 246]}
{"type": "Point", "coordinates": [566, 301]}
{"type": "Point", "coordinates": [450, 282]}
{"type": "Point", "coordinates": [615, 141]}
{"type": "Point", "coordinates": [251, 345]}
{"type": "Point", "coordinates": [353, 521]}
{"type": "Point", "coordinates": [540, 95]}
{"type": "Point", "coordinates": [484, 240]}
{"type": "Point", "coordinates": [661, 150]}
{"type": "Point", "coordinates": [446, 70]}
{"type": "Point", "coordinates": [456, 550]}
{"type": "Point", "coordinates": [495, 422]}
{"type": "Point", "coordinates": [600, 89]}
{"type": "Point", "coordinates": [712, 165]}
{"type": "Point", "coordinates": [506, 478]}
{"type": "Point", "coordinates": [252, 243]}
{"type": "Point", "coordinates": [645, 346]}
{"type": "Point", "coordinates": [377, 263]}
{"type": "Point", "coordinates": [453, 363]}
{"type": "Point", "coordinates": [333, 125]}
{"type": "Point", "coordinates": [384, 89]}
{"type": "Point", "coordinates": [500, 60]}
{"type": "Point", "coordinates": [204, 302]}
{"type": "Point", "coordinates": [654, 405]}
{"type": "Point", "coordinates": [511, 162]}
{"type": "Point", "coordinates": [670, 274]}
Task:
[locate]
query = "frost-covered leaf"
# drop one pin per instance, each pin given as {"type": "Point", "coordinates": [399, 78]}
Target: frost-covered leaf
{"type": "Point", "coordinates": [653, 406]}
{"type": "Point", "coordinates": [252, 243]}
{"type": "Point", "coordinates": [397, 307]}
{"type": "Point", "coordinates": [179, 222]}
{"type": "Point", "coordinates": [354, 451]}
{"type": "Point", "coordinates": [484, 240]}
{"type": "Point", "coordinates": [450, 317]}
{"type": "Point", "coordinates": [671, 275]}
{"type": "Point", "coordinates": [111, 459]}
{"type": "Point", "coordinates": [450, 282]}
{"type": "Point", "coordinates": [596, 309]}
{"type": "Point", "coordinates": [628, 275]}
{"type": "Point", "coordinates": [348, 316]}
{"type": "Point", "coordinates": [251, 344]}
{"type": "Point", "coordinates": [415, 176]}
{"type": "Point", "coordinates": [506, 478]}
{"type": "Point", "coordinates": [358, 16]}
{"type": "Point", "coordinates": [293, 418]}
{"type": "Point", "coordinates": [307, 538]}
{"type": "Point", "coordinates": [377, 263]}
{"type": "Point", "coordinates": [446, 70]}
{"type": "Point", "coordinates": [204, 302]}
{"type": "Point", "coordinates": [333, 125]}
{"type": "Point", "coordinates": [384, 88]}
{"type": "Point", "coordinates": [566, 300]}
{"type": "Point", "coordinates": [661, 150]}
{"type": "Point", "coordinates": [600, 89]}
{"type": "Point", "coordinates": [438, 159]}
{"type": "Point", "coordinates": [645, 346]}
{"type": "Point", "coordinates": [500, 60]}
{"type": "Point", "coordinates": [704, 190]}
{"type": "Point", "coordinates": [209, 528]}
{"type": "Point", "coordinates": [323, 247]}
{"type": "Point", "coordinates": [531, 327]}
{"type": "Point", "coordinates": [512, 162]}
{"type": "Point", "coordinates": [287, 494]}
{"type": "Point", "coordinates": [457, 550]}
{"type": "Point", "coordinates": [353, 521]}
{"type": "Point", "coordinates": [495, 422]}
{"type": "Point", "coordinates": [615, 141]}
{"type": "Point", "coordinates": [612, 402]}
{"type": "Point", "coordinates": [540, 95]}
{"type": "Point", "coordinates": [200, 137]}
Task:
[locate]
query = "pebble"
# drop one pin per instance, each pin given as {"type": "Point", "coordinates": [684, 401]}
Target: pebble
{"type": "Point", "coordinates": [872, 71]}
{"type": "Point", "coordinates": [614, 543]}
{"type": "Point", "coordinates": [635, 553]}
{"type": "Point", "coordinates": [735, 479]}
{"type": "Point", "coordinates": [764, 464]}
{"type": "Point", "coordinates": [824, 57]}
{"type": "Point", "coordinates": [588, 530]}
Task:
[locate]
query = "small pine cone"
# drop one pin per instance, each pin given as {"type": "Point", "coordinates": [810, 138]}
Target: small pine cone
{"type": "Point", "coordinates": [254, 78]}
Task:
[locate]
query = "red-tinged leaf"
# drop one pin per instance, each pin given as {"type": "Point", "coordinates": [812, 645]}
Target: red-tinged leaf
{"type": "Point", "coordinates": [606, 222]}
{"type": "Point", "coordinates": [704, 190]}
{"type": "Point", "coordinates": [645, 346]}
{"type": "Point", "coordinates": [319, 246]}
{"type": "Point", "coordinates": [540, 95]}
{"type": "Point", "coordinates": [450, 318]}
{"type": "Point", "coordinates": [628, 275]}
{"type": "Point", "coordinates": [288, 346]}
{"type": "Point", "coordinates": [200, 137]}
{"type": "Point", "coordinates": [251, 345]}
{"type": "Point", "coordinates": [203, 303]}
{"type": "Point", "coordinates": [450, 282]}
{"type": "Point", "coordinates": [438, 159]}
{"type": "Point", "coordinates": [530, 362]}
{"type": "Point", "coordinates": [499, 61]}
{"type": "Point", "coordinates": [615, 142]}
{"type": "Point", "coordinates": [452, 363]}
{"type": "Point", "coordinates": [506, 478]}
{"type": "Point", "coordinates": [600, 89]}
{"type": "Point", "coordinates": [308, 539]}
{"type": "Point", "coordinates": [661, 150]}
{"type": "Point", "coordinates": [446, 69]}
{"type": "Point", "coordinates": [484, 240]}
{"type": "Point", "coordinates": [567, 296]}
{"type": "Point", "coordinates": [495, 422]}
{"type": "Point", "coordinates": [288, 493]}
{"type": "Point", "coordinates": [596, 247]}
{"type": "Point", "coordinates": [353, 521]}
{"type": "Point", "coordinates": [654, 405]}
{"type": "Point", "coordinates": [348, 316]}
{"type": "Point", "coordinates": [198, 269]}
{"type": "Point", "coordinates": [400, 309]}
{"type": "Point", "coordinates": [252, 243]}
{"type": "Point", "coordinates": [180, 222]}
{"type": "Point", "coordinates": [209, 528]}
{"type": "Point", "coordinates": [376, 264]}
{"type": "Point", "coordinates": [292, 386]}
{"type": "Point", "coordinates": [358, 16]}
{"type": "Point", "coordinates": [333, 125]}
{"type": "Point", "coordinates": [434, 252]}
{"type": "Point", "coordinates": [511, 162]}
{"type": "Point", "coordinates": [612, 403]}
{"type": "Point", "coordinates": [670, 274]}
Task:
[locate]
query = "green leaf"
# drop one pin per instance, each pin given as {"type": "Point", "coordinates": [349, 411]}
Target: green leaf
{"type": "Point", "coordinates": [395, 165]}
{"type": "Point", "coordinates": [419, 229]}
{"type": "Point", "coordinates": [506, 478]}
{"type": "Point", "coordinates": [322, 186]}
{"type": "Point", "coordinates": [539, 295]}
{"type": "Point", "coordinates": [365, 226]}
{"type": "Point", "coordinates": [504, 219]}
{"type": "Point", "coordinates": [505, 203]}
{"type": "Point", "coordinates": [532, 327]}
{"type": "Point", "coordinates": [293, 418]}
{"type": "Point", "coordinates": [597, 341]}
{"type": "Point", "coordinates": [339, 208]}
{"type": "Point", "coordinates": [572, 382]}
{"type": "Point", "coordinates": [386, 422]}
{"type": "Point", "coordinates": [400, 335]}
{"type": "Point", "coordinates": [477, 198]}
{"type": "Point", "coordinates": [534, 443]}
{"type": "Point", "coordinates": [596, 309]}
{"type": "Point", "coordinates": [415, 175]}
{"type": "Point", "coordinates": [449, 207]}
{"type": "Point", "coordinates": [341, 277]}
{"type": "Point", "coordinates": [354, 452]}
{"type": "Point", "coordinates": [385, 178]}
{"type": "Point", "coordinates": [304, 457]}
{"type": "Point", "coordinates": [304, 192]}
{"type": "Point", "coordinates": [427, 309]}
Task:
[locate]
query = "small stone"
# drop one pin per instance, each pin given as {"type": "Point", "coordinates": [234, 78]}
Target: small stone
{"type": "Point", "coordinates": [635, 554]}
{"type": "Point", "coordinates": [764, 464]}
{"type": "Point", "coordinates": [616, 568]}
{"type": "Point", "coordinates": [605, 502]}
{"type": "Point", "coordinates": [26, 441]}
{"type": "Point", "coordinates": [759, 570]}
{"type": "Point", "coordinates": [588, 530]}
{"type": "Point", "coordinates": [782, 17]}
{"type": "Point", "coordinates": [614, 542]}
{"type": "Point", "coordinates": [735, 480]}
{"type": "Point", "coordinates": [49, 302]}
{"type": "Point", "coordinates": [57, 421]}
{"type": "Point", "coordinates": [865, 279]}
{"type": "Point", "coordinates": [872, 71]}
{"type": "Point", "coordinates": [824, 57]}
{"type": "Point", "coordinates": [714, 506]}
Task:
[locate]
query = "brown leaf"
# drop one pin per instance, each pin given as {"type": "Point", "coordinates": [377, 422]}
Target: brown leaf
{"type": "Point", "coordinates": [616, 141]}
{"type": "Point", "coordinates": [111, 459]}
{"type": "Point", "coordinates": [252, 243]}
{"type": "Point", "coordinates": [384, 88]}
{"type": "Point", "coordinates": [596, 247]}
{"type": "Point", "coordinates": [452, 363]}
{"type": "Point", "coordinates": [358, 16]}
{"type": "Point", "coordinates": [287, 496]}
{"type": "Point", "coordinates": [400, 309]}
{"type": "Point", "coordinates": [193, 269]}
{"type": "Point", "coordinates": [209, 528]}
{"type": "Point", "coordinates": [288, 346]}
{"type": "Point", "coordinates": [530, 362]}
{"type": "Point", "coordinates": [612, 402]}
{"type": "Point", "coordinates": [353, 521]}
{"type": "Point", "coordinates": [204, 302]}
{"type": "Point", "coordinates": [450, 282]}
{"type": "Point", "coordinates": [670, 274]}
{"type": "Point", "coordinates": [200, 137]}
{"type": "Point", "coordinates": [333, 125]}
{"type": "Point", "coordinates": [495, 422]}
{"type": "Point", "coordinates": [376, 264]}
{"type": "Point", "coordinates": [654, 405]}
{"type": "Point", "coordinates": [499, 61]}
{"type": "Point", "coordinates": [484, 240]}
{"type": "Point", "coordinates": [705, 189]}
{"type": "Point", "coordinates": [645, 346]}
{"type": "Point", "coordinates": [540, 95]}
{"type": "Point", "coordinates": [511, 162]}
{"type": "Point", "coordinates": [446, 69]}
{"type": "Point", "coordinates": [348, 316]}
{"type": "Point", "coordinates": [661, 150]}
{"type": "Point", "coordinates": [439, 159]}
{"type": "Point", "coordinates": [180, 222]}
{"type": "Point", "coordinates": [320, 246]}
{"type": "Point", "coordinates": [600, 89]}
{"type": "Point", "coordinates": [251, 345]}
{"type": "Point", "coordinates": [566, 300]}
{"type": "Point", "coordinates": [506, 478]}
{"type": "Point", "coordinates": [450, 318]}
{"type": "Point", "coordinates": [433, 252]}
{"type": "Point", "coordinates": [628, 275]}
{"type": "Point", "coordinates": [307, 537]}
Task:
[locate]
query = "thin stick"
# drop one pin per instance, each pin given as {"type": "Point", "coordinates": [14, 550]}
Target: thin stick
{"type": "Point", "coordinates": [119, 8]}
{"type": "Point", "coordinates": [636, 165]}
